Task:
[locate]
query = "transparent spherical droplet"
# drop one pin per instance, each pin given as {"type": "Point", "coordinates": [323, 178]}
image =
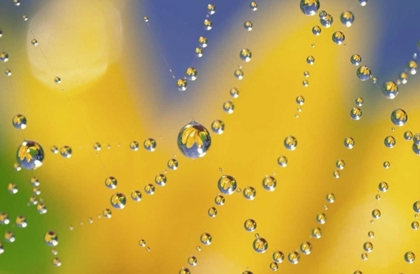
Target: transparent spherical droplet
{"type": "Point", "coordinates": [219, 200]}
{"type": "Point", "coordinates": [4, 57]}
{"type": "Point", "coordinates": [316, 232]}
{"type": "Point", "coordinates": [239, 74]}
{"type": "Point", "coordinates": [330, 197]}
{"type": "Point", "coordinates": [194, 140]}
{"type": "Point", "coordinates": [107, 213]}
{"type": "Point", "coordinates": [12, 188]}
{"type": "Point", "coordinates": [34, 42]}
{"type": "Point", "coordinates": [146, 19]}
{"type": "Point", "coordinates": [383, 186]}
{"type": "Point", "coordinates": [136, 195]}
{"type": "Point", "coordinates": [368, 246]}
{"type": "Point", "coordinates": [316, 30]}
{"type": "Point", "coordinates": [338, 37]}
{"type": "Point", "coordinates": [363, 2]}
{"type": "Point", "coordinates": [228, 107]}
{"type": "Point", "coordinates": [250, 225]}
{"type": "Point", "coordinates": [349, 142]}
{"type": "Point", "coordinates": [36, 191]}
{"type": "Point", "coordinates": [327, 20]}
{"type": "Point", "coordinates": [390, 89]}
{"type": "Point", "coordinates": [260, 245]}
{"type": "Point", "coordinates": [56, 262]}
{"type": "Point", "coordinates": [253, 5]}
{"type": "Point", "coordinates": [245, 55]}
{"type": "Point", "coordinates": [364, 256]}
{"type": "Point", "coordinates": [399, 117]}
{"type": "Point", "coordinates": [274, 266]}
{"type": "Point", "coordinates": [355, 59]}
{"type": "Point", "coordinates": [282, 161]}
{"type": "Point", "coordinates": [278, 257]}
{"type": "Point", "coordinates": [321, 218]}
{"type": "Point", "coordinates": [340, 164]}
{"type": "Point", "coordinates": [111, 182]}
{"type": "Point", "coordinates": [212, 212]}
{"type": "Point", "coordinates": [359, 101]}
{"type": "Point", "coordinates": [293, 257]}
{"type": "Point", "coordinates": [41, 208]}
{"type": "Point", "coordinates": [416, 207]}
{"type": "Point", "coordinates": [403, 77]}
{"type": "Point", "coordinates": [8, 72]}
{"type": "Point", "coordinates": [249, 193]}
{"type": "Point", "coordinates": [150, 144]}
{"type": "Point", "coordinates": [347, 18]}
{"type": "Point", "coordinates": [54, 149]}
{"type": "Point", "coordinates": [412, 67]}
{"type": "Point", "coordinates": [290, 142]}
{"type": "Point", "coordinates": [409, 257]}
{"type": "Point", "coordinates": [149, 189]}
{"type": "Point", "coordinates": [19, 121]}
{"type": "Point", "coordinates": [118, 200]}
{"type": "Point", "coordinates": [54, 251]}
{"type": "Point", "coordinates": [208, 24]}
{"type": "Point", "coordinates": [33, 200]}
{"type": "Point", "coordinates": [184, 270]}
{"type": "Point", "coordinates": [4, 218]}
{"type": "Point", "coordinates": [387, 164]}
{"type": "Point", "coordinates": [51, 238]}
{"type": "Point", "coordinates": [173, 164]}
{"type": "Point", "coordinates": [415, 225]}
{"type": "Point", "coordinates": [57, 80]}
{"type": "Point", "coordinates": [97, 146]}
{"type": "Point", "coordinates": [9, 236]}
{"type": "Point", "coordinates": [142, 243]}
{"type": "Point", "coordinates": [234, 92]}
{"type": "Point", "coordinates": [191, 74]}
{"type": "Point", "coordinates": [66, 151]}
{"type": "Point", "coordinates": [390, 141]}
{"type": "Point", "coordinates": [134, 145]}
{"type": "Point", "coordinates": [248, 25]}
{"type": "Point", "coordinates": [217, 126]}
{"type": "Point", "coordinates": [416, 138]}
{"type": "Point", "coordinates": [306, 73]}
{"type": "Point", "coordinates": [192, 261]}
{"type": "Point", "coordinates": [199, 52]}
{"type": "Point", "coordinates": [226, 184]}
{"type": "Point", "coordinates": [300, 100]}
{"type": "Point", "coordinates": [202, 42]}
{"type": "Point", "coordinates": [356, 113]}
{"type": "Point", "coordinates": [269, 183]}
{"type": "Point", "coordinates": [181, 84]}
{"type": "Point", "coordinates": [305, 83]}
{"type": "Point", "coordinates": [306, 248]}
{"type": "Point", "coordinates": [310, 60]}
{"type": "Point", "coordinates": [206, 239]}
{"type": "Point", "coordinates": [211, 9]}
{"type": "Point", "coordinates": [363, 72]}
{"type": "Point", "coordinates": [371, 234]}
{"type": "Point", "coordinates": [309, 7]}
{"type": "Point", "coordinates": [376, 213]}
{"type": "Point", "coordinates": [160, 180]}
{"type": "Point", "coordinates": [30, 155]}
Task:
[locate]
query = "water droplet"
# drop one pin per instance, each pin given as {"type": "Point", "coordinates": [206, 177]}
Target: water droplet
{"type": "Point", "coordinates": [202, 42]}
{"type": "Point", "coordinates": [208, 24]}
{"type": "Point", "coordinates": [66, 151]}
{"type": "Point", "coordinates": [4, 218]}
{"type": "Point", "coordinates": [249, 193]}
{"type": "Point", "coordinates": [212, 212]}
{"type": "Point", "coordinates": [199, 52]}
{"type": "Point", "coordinates": [226, 184]}
{"type": "Point", "coordinates": [269, 183]}
{"type": "Point", "coordinates": [160, 180]}
{"type": "Point", "coordinates": [363, 72]}
{"type": "Point", "coordinates": [191, 74]}
{"type": "Point", "coordinates": [316, 233]}
{"type": "Point", "coordinates": [12, 188]}
{"type": "Point", "coordinates": [253, 5]}
{"type": "Point", "coordinates": [321, 218]}
{"type": "Point", "coordinates": [118, 200]}
{"type": "Point", "coordinates": [359, 101]}
{"type": "Point", "coordinates": [347, 18]}
{"type": "Point", "coordinates": [142, 243]}
{"type": "Point", "coordinates": [371, 234]}
{"type": "Point", "coordinates": [192, 261]}
{"type": "Point", "coordinates": [149, 144]}
{"type": "Point", "coordinates": [306, 248]}
{"type": "Point", "coordinates": [309, 7]}
{"type": "Point", "coordinates": [107, 213]}
{"type": "Point", "coordinates": [172, 164]}
{"type": "Point", "coordinates": [316, 30]}
{"type": "Point", "coordinates": [300, 100]}
{"type": "Point", "coordinates": [136, 195]}
{"type": "Point", "coordinates": [211, 9]}
{"type": "Point", "coordinates": [355, 59]}
{"type": "Point", "coordinates": [399, 117]}
{"type": "Point", "coordinates": [310, 60]}
{"type": "Point", "coordinates": [30, 155]}
{"type": "Point", "coordinates": [134, 146]}
{"type": "Point", "coordinates": [390, 89]}
{"type": "Point", "coordinates": [390, 141]}
{"type": "Point", "coordinates": [364, 256]}
{"type": "Point", "coordinates": [349, 142]}
{"type": "Point", "coordinates": [8, 72]}
{"type": "Point", "coordinates": [219, 200]}
{"type": "Point", "coordinates": [376, 213]}
{"type": "Point", "coordinates": [278, 256]}
{"type": "Point", "coordinates": [228, 107]}
{"type": "Point", "coordinates": [245, 55]}
{"type": "Point", "coordinates": [184, 270]}
{"type": "Point", "coordinates": [181, 84]}
{"type": "Point", "coordinates": [274, 266]}
{"type": "Point", "coordinates": [248, 25]}
{"type": "Point", "coordinates": [56, 262]}
{"type": "Point", "coordinates": [356, 113]}
{"type": "Point", "coordinates": [250, 225]}
{"type": "Point", "coordinates": [330, 198]}
{"type": "Point", "coordinates": [293, 257]}
{"type": "Point", "coordinates": [111, 182]}
{"type": "Point", "coordinates": [260, 245]}
{"type": "Point", "coordinates": [368, 246]}
{"type": "Point", "coordinates": [194, 140]}
{"type": "Point", "coordinates": [146, 19]}
{"type": "Point", "coordinates": [206, 239]}
{"type": "Point", "coordinates": [51, 238]}
{"type": "Point", "coordinates": [57, 80]}
{"type": "Point", "coordinates": [282, 161]}
{"type": "Point", "coordinates": [4, 57]}
{"type": "Point", "coordinates": [415, 225]}
{"type": "Point", "coordinates": [19, 121]}
{"type": "Point", "coordinates": [387, 164]}
{"type": "Point", "coordinates": [239, 74]}
{"type": "Point", "coordinates": [338, 37]}
{"type": "Point", "coordinates": [149, 189]}
{"type": "Point", "coordinates": [217, 126]}
{"type": "Point", "coordinates": [383, 186]}
{"type": "Point", "coordinates": [409, 257]}
{"type": "Point", "coordinates": [326, 20]}
{"type": "Point", "coordinates": [363, 2]}
{"type": "Point", "coordinates": [290, 142]}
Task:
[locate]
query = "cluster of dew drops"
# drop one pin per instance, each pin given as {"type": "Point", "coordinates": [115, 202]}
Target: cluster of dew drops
{"type": "Point", "coordinates": [194, 140]}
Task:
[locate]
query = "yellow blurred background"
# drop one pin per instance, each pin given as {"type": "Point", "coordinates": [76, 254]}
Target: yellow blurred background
{"type": "Point", "coordinates": [114, 90]}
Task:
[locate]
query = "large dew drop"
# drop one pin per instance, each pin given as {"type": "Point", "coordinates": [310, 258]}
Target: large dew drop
{"type": "Point", "coordinates": [194, 140]}
{"type": "Point", "coordinates": [309, 7]}
{"type": "Point", "coordinates": [30, 155]}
